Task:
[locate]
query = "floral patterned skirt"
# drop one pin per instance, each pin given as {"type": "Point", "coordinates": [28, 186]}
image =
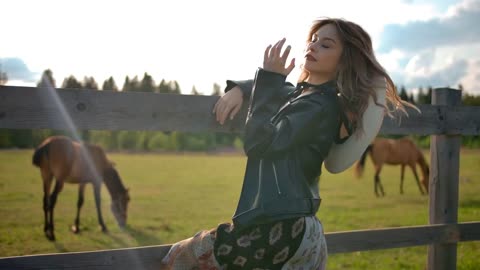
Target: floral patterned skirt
{"type": "Point", "coordinates": [297, 243]}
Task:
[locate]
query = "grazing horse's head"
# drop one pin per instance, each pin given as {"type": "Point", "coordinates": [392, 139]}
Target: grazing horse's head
{"type": "Point", "coordinates": [119, 208]}
{"type": "Point", "coordinates": [425, 170]}
{"type": "Point", "coordinates": [426, 177]}
{"type": "Point", "coordinates": [119, 194]}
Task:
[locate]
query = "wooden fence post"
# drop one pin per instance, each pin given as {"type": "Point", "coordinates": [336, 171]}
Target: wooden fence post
{"type": "Point", "coordinates": [443, 186]}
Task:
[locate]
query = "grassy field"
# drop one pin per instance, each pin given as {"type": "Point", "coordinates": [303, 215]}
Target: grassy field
{"type": "Point", "coordinates": [174, 196]}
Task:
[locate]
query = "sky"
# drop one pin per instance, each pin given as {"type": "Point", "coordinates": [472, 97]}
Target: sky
{"type": "Point", "coordinates": [199, 43]}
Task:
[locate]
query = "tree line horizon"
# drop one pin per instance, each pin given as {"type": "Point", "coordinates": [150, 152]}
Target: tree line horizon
{"type": "Point", "coordinates": [147, 84]}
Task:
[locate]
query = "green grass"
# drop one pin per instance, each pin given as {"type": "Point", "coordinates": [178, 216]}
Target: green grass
{"type": "Point", "coordinates": [174, 196]}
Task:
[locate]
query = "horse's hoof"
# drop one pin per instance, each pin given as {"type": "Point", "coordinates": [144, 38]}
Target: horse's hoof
{"type": "Point", "coordinates": [104, 230]}
{"type": "Point", "coordinates": [75, 229]}
{"type": "Point", "coordinates": [50, 236]}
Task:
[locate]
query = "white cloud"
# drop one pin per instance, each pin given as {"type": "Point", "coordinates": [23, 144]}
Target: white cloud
{"type": "Point", "coordinates": [459, 26]}
{"type": "Point", "coordinates": [17, 70]}
{"type": "Point", "coordinates": [194, 42]}
{"type": "Point", "coordinates": [471, 80]}
{"type": "Point", "coordinates": [437, 52]}
{"type": "Point", "coordinates": [421, 64]}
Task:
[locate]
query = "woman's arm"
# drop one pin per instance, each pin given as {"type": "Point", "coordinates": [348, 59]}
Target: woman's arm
{"type": "Point", "coordinates": [245, 86]}
{"type": "Point", "coordinates": [229, 104]}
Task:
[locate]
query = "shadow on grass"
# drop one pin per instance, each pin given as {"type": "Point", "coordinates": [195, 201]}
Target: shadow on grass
{"type": "Point", "coordinates": [60, 247]}
{"type": "Point", "coordinates": [470, 203]}
{"type": "Point", "coordinates": [142, 236]}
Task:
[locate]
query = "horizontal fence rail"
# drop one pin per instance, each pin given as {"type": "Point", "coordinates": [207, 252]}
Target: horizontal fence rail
{"type": "Point", "coordinates": [37, 108]}
{"type": "Point", "coordinates": [146, 258]}
{"type": "Point", "coordinates": [67, 109]}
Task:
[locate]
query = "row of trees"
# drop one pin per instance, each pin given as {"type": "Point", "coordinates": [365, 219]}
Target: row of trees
{"type": "Point", "coordinates": [146, 84]}
{"type": "Point", "coordinates": [170, 141]}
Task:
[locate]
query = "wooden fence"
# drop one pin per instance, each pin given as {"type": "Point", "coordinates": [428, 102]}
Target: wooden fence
{"type": "Point", "coordinates": [445, 120]}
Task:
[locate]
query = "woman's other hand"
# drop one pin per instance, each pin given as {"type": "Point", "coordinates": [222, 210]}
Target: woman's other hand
{"type": "Point", "coordinates": [228, 105]}
{"type": "Point", "coordinates": [274, 62]}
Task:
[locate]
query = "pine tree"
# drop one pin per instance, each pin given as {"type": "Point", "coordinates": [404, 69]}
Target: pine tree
{"type": "Point", "coordinates": [71, 82]}
{"type": "Point", "coordinates": [163, 87]}
{"type": "Point", "coordinates": [47, 80]}
{"type": "Point", "coordinates": [126, 84]}
{"type": "Point", "coordinates": [176, 88]}
{"type": "Point", "coordinates": [420, 96]}
{"type": "Point", "coordinates": [403, 93]}
{"type": "Point", "coordinates": [147, 84]}
{"type": "Point", "coordinates": [109, 85]}
{"type": "Point", "coordinates": [194, 91]}
{"type": "Point", "coordinates": [216, 90]}
{"type": "Point", "coordinates": [3, 78]}
{"type": "Point", "coordinates": [428, 97]}
{"type": "Point", "coordinates": [134, 84]}
{"type": "Point", "coordinates": [131, 84]}
{"type": "Point", "coordinates": [411, 99]}
{"type": "Point", "coordinates": [90, 83]}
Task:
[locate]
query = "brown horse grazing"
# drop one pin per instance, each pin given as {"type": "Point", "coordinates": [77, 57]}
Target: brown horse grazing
{"type": "Point", "coordinates": [402, 152]}
{"type": "Point", "coordinates": [68, 161]}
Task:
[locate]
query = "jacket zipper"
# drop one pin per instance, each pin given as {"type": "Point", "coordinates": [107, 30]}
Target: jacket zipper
{"type": "Point", "coordinates": [276, 178]}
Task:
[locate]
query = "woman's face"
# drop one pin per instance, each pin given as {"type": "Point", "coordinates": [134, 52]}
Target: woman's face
{"type": "Point", "coordinates": [323, 53]}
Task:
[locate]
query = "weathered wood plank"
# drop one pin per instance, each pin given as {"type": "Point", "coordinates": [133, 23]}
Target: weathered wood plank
{"type": "Point", "coordinates": [443, 184]}
{"type": "Point", "coordinates": [144, 258]}
{"type": "Point", "coordinates": [29, 107]}
{"type": "Point", "coordinates": [25, 107]}
{"type": "Point", "coordinates": [364, 240]}
{"type": "Point", "coordinates": [149, 257]}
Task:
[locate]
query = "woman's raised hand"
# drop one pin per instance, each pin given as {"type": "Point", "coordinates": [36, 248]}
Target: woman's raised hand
{"type": "Point", "coordinates": [228, 105]}
{"type": "Point", "coordinates": [274, 62]}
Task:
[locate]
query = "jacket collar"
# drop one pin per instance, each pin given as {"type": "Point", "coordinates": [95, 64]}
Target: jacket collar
{"type": "Point", "coordinates": [328, 87]}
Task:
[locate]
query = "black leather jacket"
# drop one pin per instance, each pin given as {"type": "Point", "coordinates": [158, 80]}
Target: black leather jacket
{"type": "Point", "coordinates": [287, 137]}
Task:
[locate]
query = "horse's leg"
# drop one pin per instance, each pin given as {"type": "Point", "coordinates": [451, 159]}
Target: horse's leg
{"type": "Point", "coordinates": [414, 170]}
{"type": "Point", "coordinates": [47, 184]}
{"type": "Point", "coordinates": [53, 200]}
{"type": "Point", "coordinates": [402, 174]}
{"type": "Point", "coordinates": [81, 191]}
{"type": "Point", "coordinates": [378, 183]}
{"type": "Point", "coordinates": [375, 181]}
{"type": "Point", "coordinates": [96, 190]}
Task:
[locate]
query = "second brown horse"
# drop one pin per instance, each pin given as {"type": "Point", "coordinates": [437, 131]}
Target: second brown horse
{"type": "Point", "coordinates": [68, 161]}
{"type": "Point", "coordinates": [402, 152]}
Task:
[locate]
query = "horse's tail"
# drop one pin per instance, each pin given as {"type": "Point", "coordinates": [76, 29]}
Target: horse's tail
{"type": "Point", "coordinates": [361, 163]}
{"type": "Point", "coordinates": [40, 152]}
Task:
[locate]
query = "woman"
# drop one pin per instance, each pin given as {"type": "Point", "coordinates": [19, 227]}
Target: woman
{"type": "Point", "coordinates": [288, 134]}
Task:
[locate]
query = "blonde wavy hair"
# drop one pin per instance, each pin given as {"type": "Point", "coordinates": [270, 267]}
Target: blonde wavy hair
{"type": "Point", "coordinates": [358, 73]}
